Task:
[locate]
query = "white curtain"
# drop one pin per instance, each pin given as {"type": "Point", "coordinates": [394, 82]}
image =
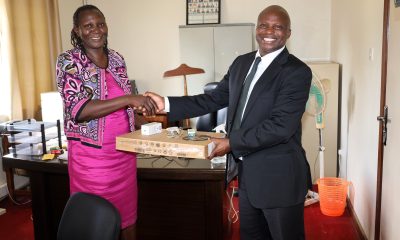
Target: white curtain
{"type": "Point", "coordinates": [30, 41]}
{"type": "Point", "coordinates": [5, 70]}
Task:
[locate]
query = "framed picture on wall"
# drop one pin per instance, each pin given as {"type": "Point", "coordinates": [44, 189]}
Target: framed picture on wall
{"type": "Point", "coordinates": [203, 12]}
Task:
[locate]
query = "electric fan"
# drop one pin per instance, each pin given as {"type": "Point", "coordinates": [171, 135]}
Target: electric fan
{"type": "Point", "coordinates": [316, 106]}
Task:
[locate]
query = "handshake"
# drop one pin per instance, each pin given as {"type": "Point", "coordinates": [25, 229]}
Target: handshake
{"type": "Point", "coordinates": [149, 103]}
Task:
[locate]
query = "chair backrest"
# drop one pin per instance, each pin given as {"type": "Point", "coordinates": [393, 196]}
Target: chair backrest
{"type": "Point", "coordinates": [210, 120]}
{"type": "Point", "coordinates": [89, 217]}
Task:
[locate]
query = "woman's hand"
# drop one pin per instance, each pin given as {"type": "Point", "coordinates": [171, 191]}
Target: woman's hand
{"type": "Point", "coordinates": [146, 105]}
{"type": "Point", "coordinates": [100, 108]}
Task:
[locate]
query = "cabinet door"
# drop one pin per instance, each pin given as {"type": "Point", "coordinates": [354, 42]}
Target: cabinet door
{"type": "Point", "coordinates": [230, 42]}
{"type": "Point", "coordinates": [310, 137]}
{"type": "Point", "coordinates": [213, 48]}
{"type": "Point", "coordinates": [197, 50]}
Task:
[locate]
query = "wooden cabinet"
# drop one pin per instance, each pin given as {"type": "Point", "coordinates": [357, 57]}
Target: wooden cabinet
{"type": "Point", "coordinates": [213, 48]}
{"type": "Point", "coordinates": [326, 72]}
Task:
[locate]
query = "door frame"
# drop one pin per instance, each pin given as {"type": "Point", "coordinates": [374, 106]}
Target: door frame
{"type": "Point", "coordinates": [386, 8]}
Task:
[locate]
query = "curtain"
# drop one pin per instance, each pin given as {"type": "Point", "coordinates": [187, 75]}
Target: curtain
{"type": "Point", "coordinates": [5, 61]}
{"type": "Point", "coordinates": [35, 41]}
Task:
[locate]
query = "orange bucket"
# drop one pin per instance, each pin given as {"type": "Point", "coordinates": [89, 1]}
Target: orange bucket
{"type": "Point", "coordinates": [332, 195]}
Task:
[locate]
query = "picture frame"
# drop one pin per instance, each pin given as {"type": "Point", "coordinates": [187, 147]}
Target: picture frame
{"type": "Point", "coordinates": [203, 12]}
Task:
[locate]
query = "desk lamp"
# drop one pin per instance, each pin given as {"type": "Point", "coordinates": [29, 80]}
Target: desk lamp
{"type": "Point", "coordinates": [183, 70]}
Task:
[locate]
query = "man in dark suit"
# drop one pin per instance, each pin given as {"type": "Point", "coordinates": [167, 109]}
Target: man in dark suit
{"type": "Point", "coordinates": [264, 130]}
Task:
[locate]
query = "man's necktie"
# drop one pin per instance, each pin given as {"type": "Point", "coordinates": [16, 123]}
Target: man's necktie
{"type": "Point", "coordinates": [243, 96]}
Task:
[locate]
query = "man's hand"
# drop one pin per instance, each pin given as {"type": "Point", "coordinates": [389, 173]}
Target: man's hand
{"type": "Point", "coordinates": [221, 148]}
{"type": "Point", "coordinates": [159, 100]}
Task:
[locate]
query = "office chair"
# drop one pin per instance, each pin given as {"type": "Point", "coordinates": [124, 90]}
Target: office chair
{"type": "Point", "coordinates": [210, 120]}
{"type": "Point", "coordinates": [89, 217]}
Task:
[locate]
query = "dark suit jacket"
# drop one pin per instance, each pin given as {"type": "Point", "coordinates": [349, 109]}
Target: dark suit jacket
{"type": "Point", "coordinates": [274, 165]}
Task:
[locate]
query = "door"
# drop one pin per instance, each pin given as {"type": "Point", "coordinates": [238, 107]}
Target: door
{"type": "Point", "coordinates": [390, 164]}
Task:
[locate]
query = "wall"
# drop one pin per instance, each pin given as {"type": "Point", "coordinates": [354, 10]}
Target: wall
{"type": "Point", "coordinates": [66, 11]}
{"type": "Point", "coordinates": [146, 33]}
{"type": "Point", "coordinates": [356, 32]}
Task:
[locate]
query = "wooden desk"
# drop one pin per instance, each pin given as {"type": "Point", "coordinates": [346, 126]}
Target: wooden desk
{"type": "Point", "coordinates": [181, 199]}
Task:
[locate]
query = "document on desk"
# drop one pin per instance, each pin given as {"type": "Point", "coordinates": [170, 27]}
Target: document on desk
{"type": "Point", "coordinates": [63, 156]}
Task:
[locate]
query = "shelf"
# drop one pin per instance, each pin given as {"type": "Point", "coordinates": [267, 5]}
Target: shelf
{"type": "Point", "coordinates": [25, 137]}
{"type": "Point", "coordinates": [27, 149]}
{"type": "Point", "coordinates": [30, 137]}
{"type": "Point", "coordinates": [30, 125]}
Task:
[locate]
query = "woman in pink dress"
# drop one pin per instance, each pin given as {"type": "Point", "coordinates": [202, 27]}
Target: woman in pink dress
{"type": "Point", "coordinates": [98, 106]}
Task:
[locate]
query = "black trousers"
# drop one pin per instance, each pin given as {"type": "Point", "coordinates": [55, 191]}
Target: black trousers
{"type": "Point", "coordinates": [270, 223]}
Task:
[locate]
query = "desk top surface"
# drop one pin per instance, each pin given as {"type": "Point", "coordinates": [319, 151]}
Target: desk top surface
{"type": "Point", "coordinates": [162, 167]}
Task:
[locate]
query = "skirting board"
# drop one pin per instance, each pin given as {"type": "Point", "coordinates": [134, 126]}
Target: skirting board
{"type": "Point", "coordinates": [356, 222]}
